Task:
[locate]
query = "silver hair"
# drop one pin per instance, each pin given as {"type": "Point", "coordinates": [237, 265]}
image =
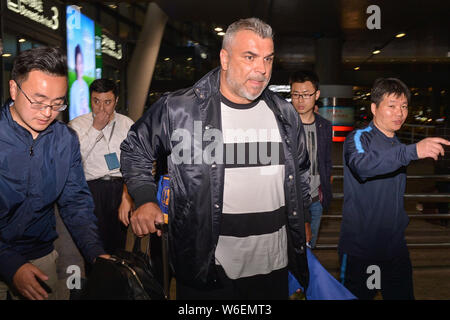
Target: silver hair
{"type": "Point", "coordinates": [256, 25]}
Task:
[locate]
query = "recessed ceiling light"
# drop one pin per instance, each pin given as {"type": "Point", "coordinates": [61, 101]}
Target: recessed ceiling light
{"type": "Point", "coordinates": [376, 51]}
{"type": "Point", "coordinates": [218, 29]}
{"type": "Point", "coordinates": [6, 55]}
{"type": "Point", "coordinates": [356, 68]}
{"type": "Point", "coordinates": [221, 33]}
{"type": "Point", "coordinates": [400, 35]}
{"type": "Point", "coordinates": [166, 59]}
{"type": "Point", "coordinates": [22, 40]}
{"type": "Point", "coordinates": [189, 59]}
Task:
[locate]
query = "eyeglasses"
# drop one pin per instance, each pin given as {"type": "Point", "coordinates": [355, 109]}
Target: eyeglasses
{"type": "Point", "coordinates": [305, 96]}
{"type": "Point", "coordinates": [42, 106]}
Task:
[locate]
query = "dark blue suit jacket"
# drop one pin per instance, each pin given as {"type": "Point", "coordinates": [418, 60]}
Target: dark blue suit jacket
{"type": "Point", "coordinates": [324, 143]}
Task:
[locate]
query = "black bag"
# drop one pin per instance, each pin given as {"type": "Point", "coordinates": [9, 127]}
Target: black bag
{"type": "Point", "coordinates": [126, 276]}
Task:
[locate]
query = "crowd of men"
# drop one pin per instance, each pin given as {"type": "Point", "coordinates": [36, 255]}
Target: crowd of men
{"type": "Point", "coordinates": [240, 217]}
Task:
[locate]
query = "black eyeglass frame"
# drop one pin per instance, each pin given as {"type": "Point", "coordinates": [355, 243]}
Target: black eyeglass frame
{"type": "Point", "coordinates": [304, 96]}
{"type": "Point", "coordinates": [42, 106]}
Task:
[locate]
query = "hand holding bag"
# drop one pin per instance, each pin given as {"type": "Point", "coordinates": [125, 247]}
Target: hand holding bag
{"type": "Point", "coordinates": [125, 276]}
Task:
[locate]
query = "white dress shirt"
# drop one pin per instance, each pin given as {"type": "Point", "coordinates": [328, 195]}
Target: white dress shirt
{"type": "Point", "coordinates": [95, 144]}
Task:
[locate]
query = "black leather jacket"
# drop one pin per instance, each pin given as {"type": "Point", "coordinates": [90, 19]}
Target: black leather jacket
{"type": "Point", "coordinates": [195, 205]}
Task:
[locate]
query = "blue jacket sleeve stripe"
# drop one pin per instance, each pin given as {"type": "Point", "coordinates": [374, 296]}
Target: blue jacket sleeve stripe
{"type": "Point", "coordinates": [357, 138]}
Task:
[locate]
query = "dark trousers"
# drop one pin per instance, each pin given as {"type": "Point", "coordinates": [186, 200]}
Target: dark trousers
{"type": "Point", "coordinates": [396, 282]}
{"type": "Point", "coordinates": [107, 196]}
{"type": "Point", "coordinates": [272, 286]}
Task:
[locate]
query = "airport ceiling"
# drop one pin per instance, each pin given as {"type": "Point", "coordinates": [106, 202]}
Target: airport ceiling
{"type": "Point", "coordinates": [298, 24]}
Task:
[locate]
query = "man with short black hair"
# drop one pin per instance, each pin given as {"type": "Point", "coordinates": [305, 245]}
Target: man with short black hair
{"type": "Point", "coordinates": [101, 132]}
{"type": "Point", "coordinates": [374, 218]}
{"type": "Point", "coordinates": [40, 167]}
{"type": "Point", "coordinates": [305, 93]}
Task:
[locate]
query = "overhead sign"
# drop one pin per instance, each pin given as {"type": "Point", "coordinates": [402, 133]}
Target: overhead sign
{"type": "Point", "coordinates": [34, 10]}
{"type": "Point", "coordinates": [111, 48]}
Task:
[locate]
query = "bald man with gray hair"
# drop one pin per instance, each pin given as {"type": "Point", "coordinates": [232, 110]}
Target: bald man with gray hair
{"type": "Point", "coordinates": [236, 212]}
{"type": "Point", "coordinates": [255, 25]}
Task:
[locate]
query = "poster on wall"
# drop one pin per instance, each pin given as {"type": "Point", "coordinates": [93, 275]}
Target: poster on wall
{"type": "Point", "coordinates": [81, 60]}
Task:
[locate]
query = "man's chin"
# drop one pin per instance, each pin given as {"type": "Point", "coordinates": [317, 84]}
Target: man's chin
{"type": "Point", "coordinates": [40, 127]}
{"type": "Point", "coordinates": [253, 94]}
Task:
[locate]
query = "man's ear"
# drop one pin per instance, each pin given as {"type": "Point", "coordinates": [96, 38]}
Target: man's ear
{"type": "Point", "coordinates": [12, 89]}
{"type": "Point", "coordinates": [373, 108]}
{"type": "Point", "coordinates": [224, 59]}
{"type": "Point", "coordinates": [317, 95]}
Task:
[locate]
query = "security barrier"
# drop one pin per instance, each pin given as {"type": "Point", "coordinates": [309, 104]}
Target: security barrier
{"type": "Point", "coordinates": [432, 197]}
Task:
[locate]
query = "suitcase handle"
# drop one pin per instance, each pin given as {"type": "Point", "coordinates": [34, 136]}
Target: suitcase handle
{"type": "Point", "coordinates": [165, 256]}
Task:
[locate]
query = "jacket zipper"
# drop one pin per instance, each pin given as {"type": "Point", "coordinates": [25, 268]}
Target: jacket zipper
{"type": "Point", "coordinates": [31, 153]}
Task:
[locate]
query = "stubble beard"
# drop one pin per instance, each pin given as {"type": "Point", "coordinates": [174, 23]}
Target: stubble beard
{"type": "Point", "coordinates": [240, 89]}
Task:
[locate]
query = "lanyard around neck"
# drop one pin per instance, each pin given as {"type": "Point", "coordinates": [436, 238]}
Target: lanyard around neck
{"type": "Point", "coordinates": [110, 136]}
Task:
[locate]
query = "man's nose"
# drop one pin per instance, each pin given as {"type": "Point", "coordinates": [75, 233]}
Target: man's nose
{"type": "Point", "coordinates": [47, 111]}
{"type": "Point", "coordinates": [260, 66]}
{"type": "Point", "coordinates": [400, 111]}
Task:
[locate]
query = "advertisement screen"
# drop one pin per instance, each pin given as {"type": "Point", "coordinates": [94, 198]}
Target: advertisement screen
{"type": "Point", "coordinates": [80, 59]}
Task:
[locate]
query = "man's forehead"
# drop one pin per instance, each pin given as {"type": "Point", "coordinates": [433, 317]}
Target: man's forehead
{"type": "Point", "coordinates": [103, 95]}
{"type": "Point", "coordinates": [395, 97]}
{"type": "Point", "coordinates": [251, 37]}
{"type": "Point", "coordinates": [43, 84]}
{"type": "Point", "coordinates": [36, 74]}
{"type": "Point", "coordinates": [302, 86]}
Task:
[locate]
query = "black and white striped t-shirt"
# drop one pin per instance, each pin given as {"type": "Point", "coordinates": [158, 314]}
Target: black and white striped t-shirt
{"type": "Point", "coordinates": [252, 238]}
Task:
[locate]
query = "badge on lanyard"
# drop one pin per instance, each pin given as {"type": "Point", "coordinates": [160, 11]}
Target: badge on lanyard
{"type": "Point", "coordinates": [112, 161]}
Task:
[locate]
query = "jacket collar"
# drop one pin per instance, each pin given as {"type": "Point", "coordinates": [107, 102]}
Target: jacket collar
{"type": "Point", "coordinates": [381, 134]}
{"type": "Point", "coordinates": [6, 113]}
{"type": "Point", "coordinates": [208, 84]}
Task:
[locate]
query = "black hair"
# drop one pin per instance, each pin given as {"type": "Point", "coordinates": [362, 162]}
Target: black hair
{"type": "Point", "coordinates": [303, 76]}
{"type": "Point", "coordinates": [46, 59]}
{"type": "Point", "coordinates": [77, 52]}
{"type": "Point", "coordinates": [104, 85]}
{"type": "Point", "coordinates": [388, 86]}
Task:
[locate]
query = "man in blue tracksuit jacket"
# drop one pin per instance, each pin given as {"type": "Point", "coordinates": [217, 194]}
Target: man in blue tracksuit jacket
{"type": "Point", "coordinates": [40, 166]}
{"type": "Point", "coordinates": [372, 240]}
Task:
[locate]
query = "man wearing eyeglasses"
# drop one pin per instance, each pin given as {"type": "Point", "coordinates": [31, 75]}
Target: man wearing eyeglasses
{"type": "Point", "coordinates": [40, 167]}
{"type": "Point", "coordinates": [305, 93]}
{"type": "Point", "coordinates": [101, 132]}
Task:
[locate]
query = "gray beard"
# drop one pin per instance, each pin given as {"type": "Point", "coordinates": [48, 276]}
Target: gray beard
{"type": "Point", "coordinates": [240, 90]}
